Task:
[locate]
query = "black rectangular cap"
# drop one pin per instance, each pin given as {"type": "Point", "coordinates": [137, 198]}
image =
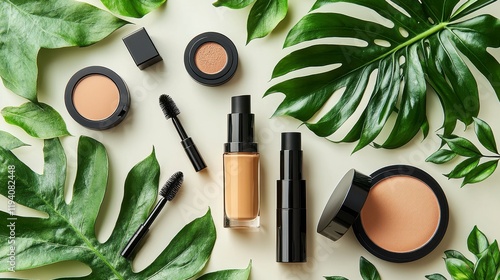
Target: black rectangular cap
{"type": "Point", "coordinates": [142, 49]}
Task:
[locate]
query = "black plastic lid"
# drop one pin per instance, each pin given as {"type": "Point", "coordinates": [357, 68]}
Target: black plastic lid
{"type": "Point", "coordinates": [142, 49]}
{"type": "Point", "coordinates": [344, 205]}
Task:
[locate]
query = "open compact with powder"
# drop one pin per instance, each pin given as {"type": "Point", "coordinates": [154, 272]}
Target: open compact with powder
{"type": "Point", "coordinates": [211, 59]}
{"type": "Point", "coordinates": [97, 98]}
{"type": "Point", "coordinates": [399, 213]}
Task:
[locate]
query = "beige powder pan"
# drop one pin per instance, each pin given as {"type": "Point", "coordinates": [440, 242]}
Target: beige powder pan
{"type": "Point", "coordinates": [399, 213]}
{"type": "Point", "coordinates": [97, 98]}
{"type": "Point", "coordinates": [211, 59]}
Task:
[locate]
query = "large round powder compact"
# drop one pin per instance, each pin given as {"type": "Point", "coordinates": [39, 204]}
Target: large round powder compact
{"type": "Point", "coordinates": [97, 98]}
{"type": "Point", "coordinates": [399, 213]}
{"type": "Point", "coordinates": [211, 58]}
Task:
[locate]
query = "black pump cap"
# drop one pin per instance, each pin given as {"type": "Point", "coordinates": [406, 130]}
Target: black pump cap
{"type": "Point", "coordinates": [240, 126]}
{"type": "Point", "coordinates": [290, 141]}
{"type": "Point", "coordinates": [240, 104]}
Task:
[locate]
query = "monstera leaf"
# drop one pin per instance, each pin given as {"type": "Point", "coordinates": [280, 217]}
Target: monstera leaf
{"type": "Point", "coordinates": [69, 234]}
{"type": "Point", "coordinates": [426, 45]}
{"type": "Point", "coordinates": [264, 15]}
{"type": "Point", "coordinates": [27, 26]}
{"type": "Point", "coordinates": [132, 8]}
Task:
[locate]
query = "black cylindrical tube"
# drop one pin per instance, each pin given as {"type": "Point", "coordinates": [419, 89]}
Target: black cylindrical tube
{"type": "Point", "coordinates": [291, 202]}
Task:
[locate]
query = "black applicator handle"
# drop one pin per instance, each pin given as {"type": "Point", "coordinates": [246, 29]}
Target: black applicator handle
{"type": "Point", "coordinates": [142, 230]}
{"type": "Point", "coordinates": [189, 146]}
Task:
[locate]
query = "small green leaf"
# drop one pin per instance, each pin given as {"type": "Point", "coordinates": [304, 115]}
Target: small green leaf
{"type": "Point", "coordinates": [477, 242]}
{"type": "Point", "coordinates": [264, 17]}
{"type": "Point", "coordinates": [233, 274]}
{"type": "Point", "coordinates": [452, 254]}
{"type": "Point", "coordinates": [485, 267]}
{"type": "Point", "coordinates": [459, 270]}
{"type": "Point", "coordinates": [435, 276]}
{"type": "Point", "coordinates": [461, 146]}
{"type": "Point", "coordinates": [335, 278]}
{"type": "Point", "coordinates": [495, 253]}
{"type": "Point", "coordinates": [485, 135]}
{"type": "Point", "coordinates": [37, 119]}
{"type": "Point", "coordinates": [9, 141]}
{"type": "Point", "coordinates": [481, 172]}
{"type": "Point", "coordinates": [368, 270]}
{"type": "Point", "coordinates": [233, 4]}
{"type": "Point", "coordinates": [441, 156]}
{"type": "Point", "coordinates": [463, 168]}
{"type": "Point", "coordinates": [132, 8]}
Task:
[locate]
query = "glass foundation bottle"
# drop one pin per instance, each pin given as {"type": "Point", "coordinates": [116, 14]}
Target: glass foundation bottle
{"type": "Point", "coordinates": [241, 168]}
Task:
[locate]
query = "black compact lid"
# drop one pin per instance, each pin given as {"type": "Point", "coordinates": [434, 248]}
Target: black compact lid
{"type": "Point", "coordinates": [344, 205]}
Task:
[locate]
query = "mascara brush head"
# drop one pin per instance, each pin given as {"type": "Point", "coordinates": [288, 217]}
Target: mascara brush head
{"type": "Point", "coordinates": [168, 106]}
{"type": "Point", "coordinates": [172, 186]}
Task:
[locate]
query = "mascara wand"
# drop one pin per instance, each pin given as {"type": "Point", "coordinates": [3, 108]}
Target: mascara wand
{"type": "Point", "coordinates": [171, 111]}
{"type": "Point", "coordinates": [167, 193]}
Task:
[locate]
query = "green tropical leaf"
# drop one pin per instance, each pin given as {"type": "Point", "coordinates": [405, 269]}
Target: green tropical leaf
{"type": "Point", "coordinates": [464, 168]}
{"type": "Point", "coordinates": [435, 276]}
{"type": "Point", "coordinates": [481, 172]}
{"type": "Point", "coordinates": [452, 254]}
{"type": "Point", "coordinates": [423, 46]}
{"type": "Point", "coordinates": [233, 274]}
{"type": "Point", "coordinates": [9, 141]}
{"type": "Point", "coordinates": [69, 234]}
{"type": "Point", "coordinates": [461, 146]}
{"type": "Point", "coordinates": [459, 270]}
{"type": "Point", "coordinates": [477, 242]}
{"type": "Point", "coordinates": [368, 270]}
{"type": "Point", "coordinates": [485, 135]}
{"type": "Point", "coordinates": [441, 156]}
{"type": "Point", "coordinates": [132, 8]}
{"type": "Point", "coordinates": [37, 119]}
{"type": "Point", "coordinates": [233, 4]}
{"type": "Point", "coordinates": [47, 24]}
{"type": "Point", "coordinates": [264, 15]}
{"type": "Point", "coordinates": [486, 268]}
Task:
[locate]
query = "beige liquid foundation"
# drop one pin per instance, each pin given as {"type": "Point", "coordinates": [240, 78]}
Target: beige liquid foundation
{"type": "Point", "coordinates": [241, 168]}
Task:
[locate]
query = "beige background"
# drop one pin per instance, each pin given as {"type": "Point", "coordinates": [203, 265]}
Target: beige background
{"type": "Point", "coordinates": [203, 114]}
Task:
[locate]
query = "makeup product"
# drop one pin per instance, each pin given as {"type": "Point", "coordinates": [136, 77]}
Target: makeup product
{"type": "Point", "coordinates": [291, 202]}
{"type": "Point", "coordinates": [399, 213]}
{"type": "Point", "coordinates": [171, 111]}
{"type": "Point", "coordinates": [167, 193]}
{"type": "Point", "coordinates": [142, 49]}
{"type": "Point", "coordinates": [211, 59]}
{"type": "Point", "coordinates": [97, 98]}
{"type": "Point", "coordinates": [241, 168]}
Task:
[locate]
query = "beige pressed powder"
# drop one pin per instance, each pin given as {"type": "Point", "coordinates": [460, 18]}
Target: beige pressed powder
{"type": "Point", "coordinates": [211, 58]}
{"type": "Point", "coordinates": [96, 97]}
{"type": "Point", "coordinates": [401, 214]}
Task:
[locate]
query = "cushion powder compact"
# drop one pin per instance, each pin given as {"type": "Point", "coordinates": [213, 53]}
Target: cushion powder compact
{"type": "Point", "coordinates": [399, 213]}
{"type": "Point", "coordinates": [211, 59]}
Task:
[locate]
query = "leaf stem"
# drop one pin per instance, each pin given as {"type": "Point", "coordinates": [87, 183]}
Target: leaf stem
{"type": "Point", "coordinates": [419, 37]}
